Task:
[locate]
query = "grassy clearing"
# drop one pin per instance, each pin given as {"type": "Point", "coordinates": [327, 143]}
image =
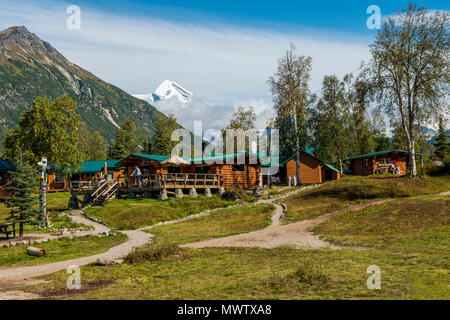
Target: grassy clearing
{"type": "Point", "coordinates": [252, 273]}
{"type": "Point", "coordinates": [335, 195]}
{"type": "Point", "coordinates": [409, 241]}
{"type": "Point", "coordinates": [135, 213]}
{"type": "Point", "coordinates": [218, 224]}
{"type": "Point", "coordinates": [59, 250]}
{"type": "Point", "coordinates": [414, 225]}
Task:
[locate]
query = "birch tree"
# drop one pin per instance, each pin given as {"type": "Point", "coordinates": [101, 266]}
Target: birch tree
{"type": "Point", "coordinates": [410, 69]}
{"type": "Point", "coordinates": [290, 90]}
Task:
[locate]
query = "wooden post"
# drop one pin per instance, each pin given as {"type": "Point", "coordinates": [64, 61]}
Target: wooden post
{"type": "Point", "coordinates": [43, 218]}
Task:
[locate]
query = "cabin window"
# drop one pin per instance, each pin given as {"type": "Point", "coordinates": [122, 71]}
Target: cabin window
{"type": "Point", "coordinates": [111, 175]}
{"type": "Point", "coordinates": [174, 170]}
{"type": "Point", "coordinates": [238, 167]}
{"type": "Point", "coordinates": [365, 163]}
{"type": "Point", "coordinates": [2, 178]}
{"type": "Point", "coordinates": [385, 161]}
{"type": "Point", "coordinates": [89, 175]}
{"type": "Point", "coordinates": [202, 169]}
{"type": "Point", "coordinates": [59, 177]}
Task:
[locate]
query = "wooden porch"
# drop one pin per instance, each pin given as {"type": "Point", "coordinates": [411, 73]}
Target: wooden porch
{"type": "Point", "coordinates": [146, 183]}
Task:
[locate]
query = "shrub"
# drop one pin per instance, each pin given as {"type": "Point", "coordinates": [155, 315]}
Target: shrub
{"type": "Point", "coordinates": [152, 254]}
{"type": "Point", "coordinates": [311, 275]}
{"type": "Point", "coordinates": [233, 194]}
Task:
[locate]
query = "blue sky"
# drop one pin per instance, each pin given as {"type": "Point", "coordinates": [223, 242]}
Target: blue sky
{"type": "Point", "coordinates": [223, 51]}
{"type": "Point", "coordinates": [346, 16]}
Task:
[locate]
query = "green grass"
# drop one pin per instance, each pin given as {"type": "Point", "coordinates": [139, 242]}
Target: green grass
{"type": "Point", "coordinates": [217, 224]}
{"type": "Point", "coordinates": [413, 225]}
{"type": "Point", "coordinates": [135, 213]}
{"type": "Point", "coordinates": [335, 195]}
{"type": "Point", "coordinates": [408, 239]}
{"type": "Point", "coordinates": [59, 250]}
{"type": "Point", "coordinates": [56, 203]}
{"type": "Point", "coordinates": [252, 273]}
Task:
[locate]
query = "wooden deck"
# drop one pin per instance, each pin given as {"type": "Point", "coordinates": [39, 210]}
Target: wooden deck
{"type": "Point", "coordinates": [149, 182]}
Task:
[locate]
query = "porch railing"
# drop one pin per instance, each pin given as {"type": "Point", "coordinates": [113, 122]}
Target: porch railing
{"type": "Point", "coordinates": [172, 181]}
{"type": "Point", "coordinates": [154, 181]}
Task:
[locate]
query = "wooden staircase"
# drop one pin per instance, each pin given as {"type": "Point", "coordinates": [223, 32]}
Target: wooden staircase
{"type": "Point", "coordinates": [105, 192]}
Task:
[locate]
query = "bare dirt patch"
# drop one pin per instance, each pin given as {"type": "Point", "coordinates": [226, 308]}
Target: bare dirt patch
{"type": "Point", "coordinates": [294, 234]}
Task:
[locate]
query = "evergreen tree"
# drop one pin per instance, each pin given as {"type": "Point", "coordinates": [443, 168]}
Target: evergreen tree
{"type": "Point", "coordinates": [147, 146]}
{"type": "Point", "coordinates": [162, 143]}
{"type": "Point", "coordinates": [23, 184]}
{"type": "Point", "coordinates": [241, 119]}
{"type": "Point", "coordinates": [356, 96]}
{"type": "Point", "coordinates": [441, 145]}
{"type": "Point", "coordinates": [125, 142]}
{"type": "Point", "coordinates": [331, 123]}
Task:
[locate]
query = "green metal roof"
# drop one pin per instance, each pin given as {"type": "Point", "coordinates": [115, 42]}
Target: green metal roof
{"type": "Point", "coordinates": [224, 156]}
{"type": "Point", "coordinates": [6, 165]}
{"type": "Point", "coordinates": [330, 166]}
{"type": "Point", "coordinates": [380, 152]}
{"type": "Point", "coordinates": [153, 157]}
{"type": "Point", "coordinates": [97, 166]}
{"type": "Point", "coordinates": [212, 157]}
{"type": "Point", "coordinates": [308, 151]}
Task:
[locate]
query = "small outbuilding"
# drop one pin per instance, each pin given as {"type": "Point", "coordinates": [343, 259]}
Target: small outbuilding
{"type": "Point", "coordinates": [378, 162]}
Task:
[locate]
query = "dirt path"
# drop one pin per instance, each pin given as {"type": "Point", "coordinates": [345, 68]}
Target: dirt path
{"type": "Point", "coordinates": [294, 234]}
{"type": "Point", "coordinates": [136, 238]}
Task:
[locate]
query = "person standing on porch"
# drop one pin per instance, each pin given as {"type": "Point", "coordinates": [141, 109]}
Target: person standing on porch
{"type": "Point", "coordinates": [396, 168]}
{"type": "Point", "coordinates": [137, 175]}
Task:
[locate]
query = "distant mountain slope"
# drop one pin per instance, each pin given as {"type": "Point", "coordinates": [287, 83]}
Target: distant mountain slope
{"type": "Point", "coordinates": [31, 67]}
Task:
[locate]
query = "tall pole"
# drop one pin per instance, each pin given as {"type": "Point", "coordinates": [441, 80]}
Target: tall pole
{"type": "Point", "coordinates": [43, 218]}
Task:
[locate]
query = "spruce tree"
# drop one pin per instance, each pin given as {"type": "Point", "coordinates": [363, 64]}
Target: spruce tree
{"type": "Point", "coordinates": [23, 202]}
{"type": "Point", "coordinates": [125, 142]}
{"type": "Point", "coordinates": [441, 145]}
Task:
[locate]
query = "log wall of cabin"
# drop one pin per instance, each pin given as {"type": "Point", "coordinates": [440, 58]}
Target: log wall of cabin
{"type": "Point", "coordinates": [247, 179]}
{"type": "Point", "coordinates": [53, 185]}
{"type": "Point", "coordinates": [310, 169]}
{"type": "Point", "coordinates": [359, 170]}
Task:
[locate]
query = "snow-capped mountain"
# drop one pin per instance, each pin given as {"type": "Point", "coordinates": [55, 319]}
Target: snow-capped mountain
{"type": "Point", "coordinates": [167, 90]}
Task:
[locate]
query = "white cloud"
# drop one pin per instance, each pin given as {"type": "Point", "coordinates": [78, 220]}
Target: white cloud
{"type": "Point", "coordinates": [226, 65]}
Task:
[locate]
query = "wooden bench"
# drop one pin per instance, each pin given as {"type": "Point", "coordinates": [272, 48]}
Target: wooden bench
{"type": "Point", "coordinates": [5, 231]}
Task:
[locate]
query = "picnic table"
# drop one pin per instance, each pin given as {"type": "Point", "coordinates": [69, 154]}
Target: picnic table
{"type": "Point", "coordinates": [4, 229]}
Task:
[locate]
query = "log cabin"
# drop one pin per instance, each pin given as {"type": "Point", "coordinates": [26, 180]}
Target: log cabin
{"type": "Point", "coordinates": [378, 162]}
{"type": "Point", "coordinates": [240, 170]}
{"type": "Point", "coordinates": [89, 170]}
{"type": "Point", "coordinates": [5, 177]}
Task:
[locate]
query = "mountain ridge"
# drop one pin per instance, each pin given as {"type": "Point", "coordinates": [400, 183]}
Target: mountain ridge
{"type": "Point", "coordinates": [31, 67]}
